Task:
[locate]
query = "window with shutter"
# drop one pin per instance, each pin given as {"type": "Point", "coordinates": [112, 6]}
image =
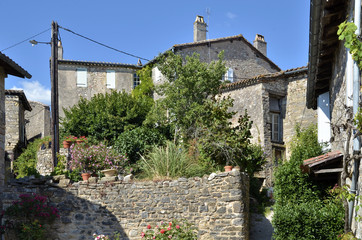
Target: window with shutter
{"type": "Point", "coordinates": [81, 77]}
{"type": "Point", "coordinates": [111, 79]}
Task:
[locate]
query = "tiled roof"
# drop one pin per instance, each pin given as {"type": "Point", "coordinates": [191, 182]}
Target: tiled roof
{"type": "Point", "coordinates": [103, 64]}
{"type": "Point", "coordinates": [319, 162]}
{"type": "Point", "coordinates": [21, 95]}
{"type": "Point", "coordinates": [265, 78]}
{"type": "Point", "coordinates": [12, 67]}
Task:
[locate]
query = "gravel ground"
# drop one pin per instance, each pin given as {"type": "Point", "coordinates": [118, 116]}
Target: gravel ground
{"type": "Point", "coordinates": [260, 226]}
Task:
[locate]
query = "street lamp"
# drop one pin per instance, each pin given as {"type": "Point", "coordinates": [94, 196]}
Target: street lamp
{"type": "Point", "coordinates": [54, 90]}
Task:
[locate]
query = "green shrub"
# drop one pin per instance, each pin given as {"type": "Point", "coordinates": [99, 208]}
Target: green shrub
{"type": "Point", "coordinates": [137, 141]}
{"type": "Point", "coordinates": [169, 161]}
{"type": "Point", "coordinates": [301, 210]}
{"type": "Point", "coordinates": [25, 164]}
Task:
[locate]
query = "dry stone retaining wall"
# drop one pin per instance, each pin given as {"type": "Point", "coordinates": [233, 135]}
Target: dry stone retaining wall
{"type": "Point", "coordinates": [217, 205]}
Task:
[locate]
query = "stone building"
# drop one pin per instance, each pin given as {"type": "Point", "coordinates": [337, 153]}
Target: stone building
{"type": "Point", "coordinates": [7, 67]}
{"type": "Point", "coordinates": [275, 103]}
{"type": "Point", "coordinates": [38, 121]}
{"type": "Point", "coordinates": [275, 99]}
{"type": "Point", "coordinates": [330, 87]}
{"type": "Point", "coordinates": [16, 104]}
{"type": "Point", "coordinates": [78, 79]}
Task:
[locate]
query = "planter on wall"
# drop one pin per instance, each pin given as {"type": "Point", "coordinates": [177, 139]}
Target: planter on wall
{"type": "Point", "coordinates": [228, 168]}
{"type": "Point", "coordinates": [86, 176]}
{"type": "Point", "coordinates": [109, 172]}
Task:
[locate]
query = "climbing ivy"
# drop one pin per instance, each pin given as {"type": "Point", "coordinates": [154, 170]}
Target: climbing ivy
{"type": "Point", "coordinates": [346, 31]}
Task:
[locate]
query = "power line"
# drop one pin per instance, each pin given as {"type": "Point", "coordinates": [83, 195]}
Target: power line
{"type": "Point", "coordinates": [104, 45]}
{"type": "Point", "coordinates": [25, 40]}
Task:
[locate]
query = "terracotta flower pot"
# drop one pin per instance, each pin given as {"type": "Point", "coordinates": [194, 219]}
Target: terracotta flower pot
{"type": "Point", "coordinates": [228, 168]}
{"type": "Point", "coordinates": [85, 176]}
{"type": "Point", "coordinates": [66, 144]}
{"type": "Point", "coordinates": [109, 172]}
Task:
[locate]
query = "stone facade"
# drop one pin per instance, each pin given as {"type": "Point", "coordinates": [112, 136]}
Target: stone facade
{"type": "Point", "coordinates": [2, 126]}
{"type": "Point", "coordinates": [96, 76]}
{"type": "Point", "coordinates": [38, 121]}
{"type": "Point", "coordinates": [217, 205]}
{"type": "Point", "coordinates": [254, 95]}
{"type": "Point", "coordinates": [16, 104]}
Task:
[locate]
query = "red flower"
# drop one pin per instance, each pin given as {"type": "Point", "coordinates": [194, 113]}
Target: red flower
{"type": "Point", "coordinates": [170, 224]}
{"type": "Point", "coordinates": [177, 226]}
{"type": "Point", "coordinates": [148, 226]}
{"type": "Point", "coordinates": [162, 231]}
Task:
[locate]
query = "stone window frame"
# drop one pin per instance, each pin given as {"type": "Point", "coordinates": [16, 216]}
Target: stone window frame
{"type": "Point", "coordinates": [276, 112]}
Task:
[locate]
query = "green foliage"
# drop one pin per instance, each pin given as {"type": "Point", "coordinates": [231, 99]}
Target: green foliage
{"type": "Point", "coordinates": [358, 120]}
{"type": "Point", "coordinates": [308, 220]}
{"type": "Point", "coordinates": [25, 164]}
{"type": "Point", "coordinates": [137, 141]}
{"type": "Point", "coordinates": [105, 116]}
{"type": "Point", "coordinates": [145, 89]}
{"type": "Point", "coordinates": [300, 211]}
{"type": "Point", "coordinates": [346, 32]}
{"type": "Point", "coordinates": [171, 230]}
{"type": "Point", "coordinates": [189, 84]}
{"type": "Point", "coordinates": [170, 161]}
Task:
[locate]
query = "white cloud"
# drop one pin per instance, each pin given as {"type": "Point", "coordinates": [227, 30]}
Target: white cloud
{"type": "Point", "coordinates": [231, 15]}
{"type": "Point", "coordinates": [35, 91]}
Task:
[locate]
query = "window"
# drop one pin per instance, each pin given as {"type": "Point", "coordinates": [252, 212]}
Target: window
{"type": "Point", "coordinates": [229, 75]}
{"type": "Point", "coordinates": [157, 75]}
{"type": "Point", "coordinates": [111, 79]}
{"type": "Point", "coordinates": [276, 121]}
{"type": "Point", "coordinates": [136, 80]}
{"type": "Point", "coordinates": [81, 77]}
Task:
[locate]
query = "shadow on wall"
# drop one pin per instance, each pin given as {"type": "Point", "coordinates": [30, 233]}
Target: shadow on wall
{"type": "Point", "coordinates": [79, 218]}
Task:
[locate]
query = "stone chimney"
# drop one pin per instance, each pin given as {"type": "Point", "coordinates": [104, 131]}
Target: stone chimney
{"type": "Point", "coordinates": [260, 44]}
{"type": "Point", "coordinates": [60, 50]}
{"type": "Point", "coordinates": [199, 29]}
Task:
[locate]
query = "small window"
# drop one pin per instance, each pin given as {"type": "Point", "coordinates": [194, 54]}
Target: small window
{"type": "Point", "coordinates": [276, 121]}
{"type": "Point", "coordinates": [111, 79]}
{"type": "Point", "coordinates": [136, 80]}
{"type": "Point", "coordinates": [229, 75]}
{"type": "Point", "coordinates": [81, 77]}
{"type": "Point", "coordinates": [275, 127]}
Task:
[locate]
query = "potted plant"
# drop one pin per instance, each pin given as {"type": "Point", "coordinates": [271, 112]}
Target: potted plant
{"type": "Point", "coordinates": [95, 158]}
{"type": "Point", "coordinates": [68, 141]}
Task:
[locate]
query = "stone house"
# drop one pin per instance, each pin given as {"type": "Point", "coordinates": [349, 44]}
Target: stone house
{"type": "Point", "coordinates": [275, 103]}
{"type": "Point", "coordinates": [331, 86]}
{"type": "Point", "coordinates": [7, 67]}
{"type": "Point", "coordinates": [78, 79]}
{"type": "Point", "coordinates": [16, 104]}
{"type": "Point", "coordinates": [38, 121]}
{"type": "Point", "coordinates": [275, 99]}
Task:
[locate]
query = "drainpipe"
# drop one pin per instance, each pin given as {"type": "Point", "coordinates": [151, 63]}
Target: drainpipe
{"type": "Point", "coordinates": [356, 89]}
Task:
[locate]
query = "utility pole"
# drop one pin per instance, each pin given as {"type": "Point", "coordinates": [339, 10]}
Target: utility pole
{"type": "Point", "coordinates": [54, 93]}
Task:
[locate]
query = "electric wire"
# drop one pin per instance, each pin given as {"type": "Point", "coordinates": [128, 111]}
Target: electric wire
{"type": "Point", "coordinates": [25, 40]}
{"type": "Point", "coordinates": [104, 45]}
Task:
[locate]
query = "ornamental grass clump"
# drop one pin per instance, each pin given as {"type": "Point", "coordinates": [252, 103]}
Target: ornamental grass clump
{"type": "Point", "coordinates": [172, 230]}
{"type": "Point", "coordinates": [95, 158]}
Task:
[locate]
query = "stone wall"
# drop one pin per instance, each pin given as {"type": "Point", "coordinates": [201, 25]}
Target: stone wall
{"type": "Point", "coordinates": [13, 108]}
{"type": "Point", "coordinates": [39, 122]}
{"type": "Point", "coordinates": [217, 205]}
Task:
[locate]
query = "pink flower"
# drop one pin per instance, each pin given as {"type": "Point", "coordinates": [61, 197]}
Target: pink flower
{"type": "Point", "coordinates": [169, 228]}
{"type": "Point", "coordinates": [162, 231]}
{"type": "Point", "coordinates": [169, 236]}
{"type": "Point", "coordinates": [178, 226]}
{"type": "Point", "coordinates": [148, 226]}
{"type": "Point", "coordinates": [142, 234]}
{"type": "Point", "coordinates": [170, 224]}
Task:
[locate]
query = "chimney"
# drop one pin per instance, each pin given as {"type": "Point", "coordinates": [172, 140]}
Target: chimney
{"type": "Point", "coordinates": [260, 44]}
{"type": "Point", "coordinates": [199, 29]}
{"type": "Point", "coordinates": [60, 50]}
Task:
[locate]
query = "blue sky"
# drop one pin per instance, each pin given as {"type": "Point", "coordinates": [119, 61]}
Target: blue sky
{"type": "Point", "coordinates": [145, 29]}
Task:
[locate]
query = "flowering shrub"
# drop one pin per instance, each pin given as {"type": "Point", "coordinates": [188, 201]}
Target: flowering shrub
{"type": "Point", "coordinates": [73, 139]}
{"type": "Point", "coordinates": [172, 230]}
{"type": "Point", "coordinates": [28, 215]}
{"type": "Point", "coordinates": [94, 158]}
{"type": "Point", "coordinates": [100, 237]}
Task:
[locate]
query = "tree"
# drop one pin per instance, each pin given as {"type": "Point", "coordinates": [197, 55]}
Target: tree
{"type": "Point", "coordinates": [105, 116]}
{"type": "Point", "coordinates": [189, 85]}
